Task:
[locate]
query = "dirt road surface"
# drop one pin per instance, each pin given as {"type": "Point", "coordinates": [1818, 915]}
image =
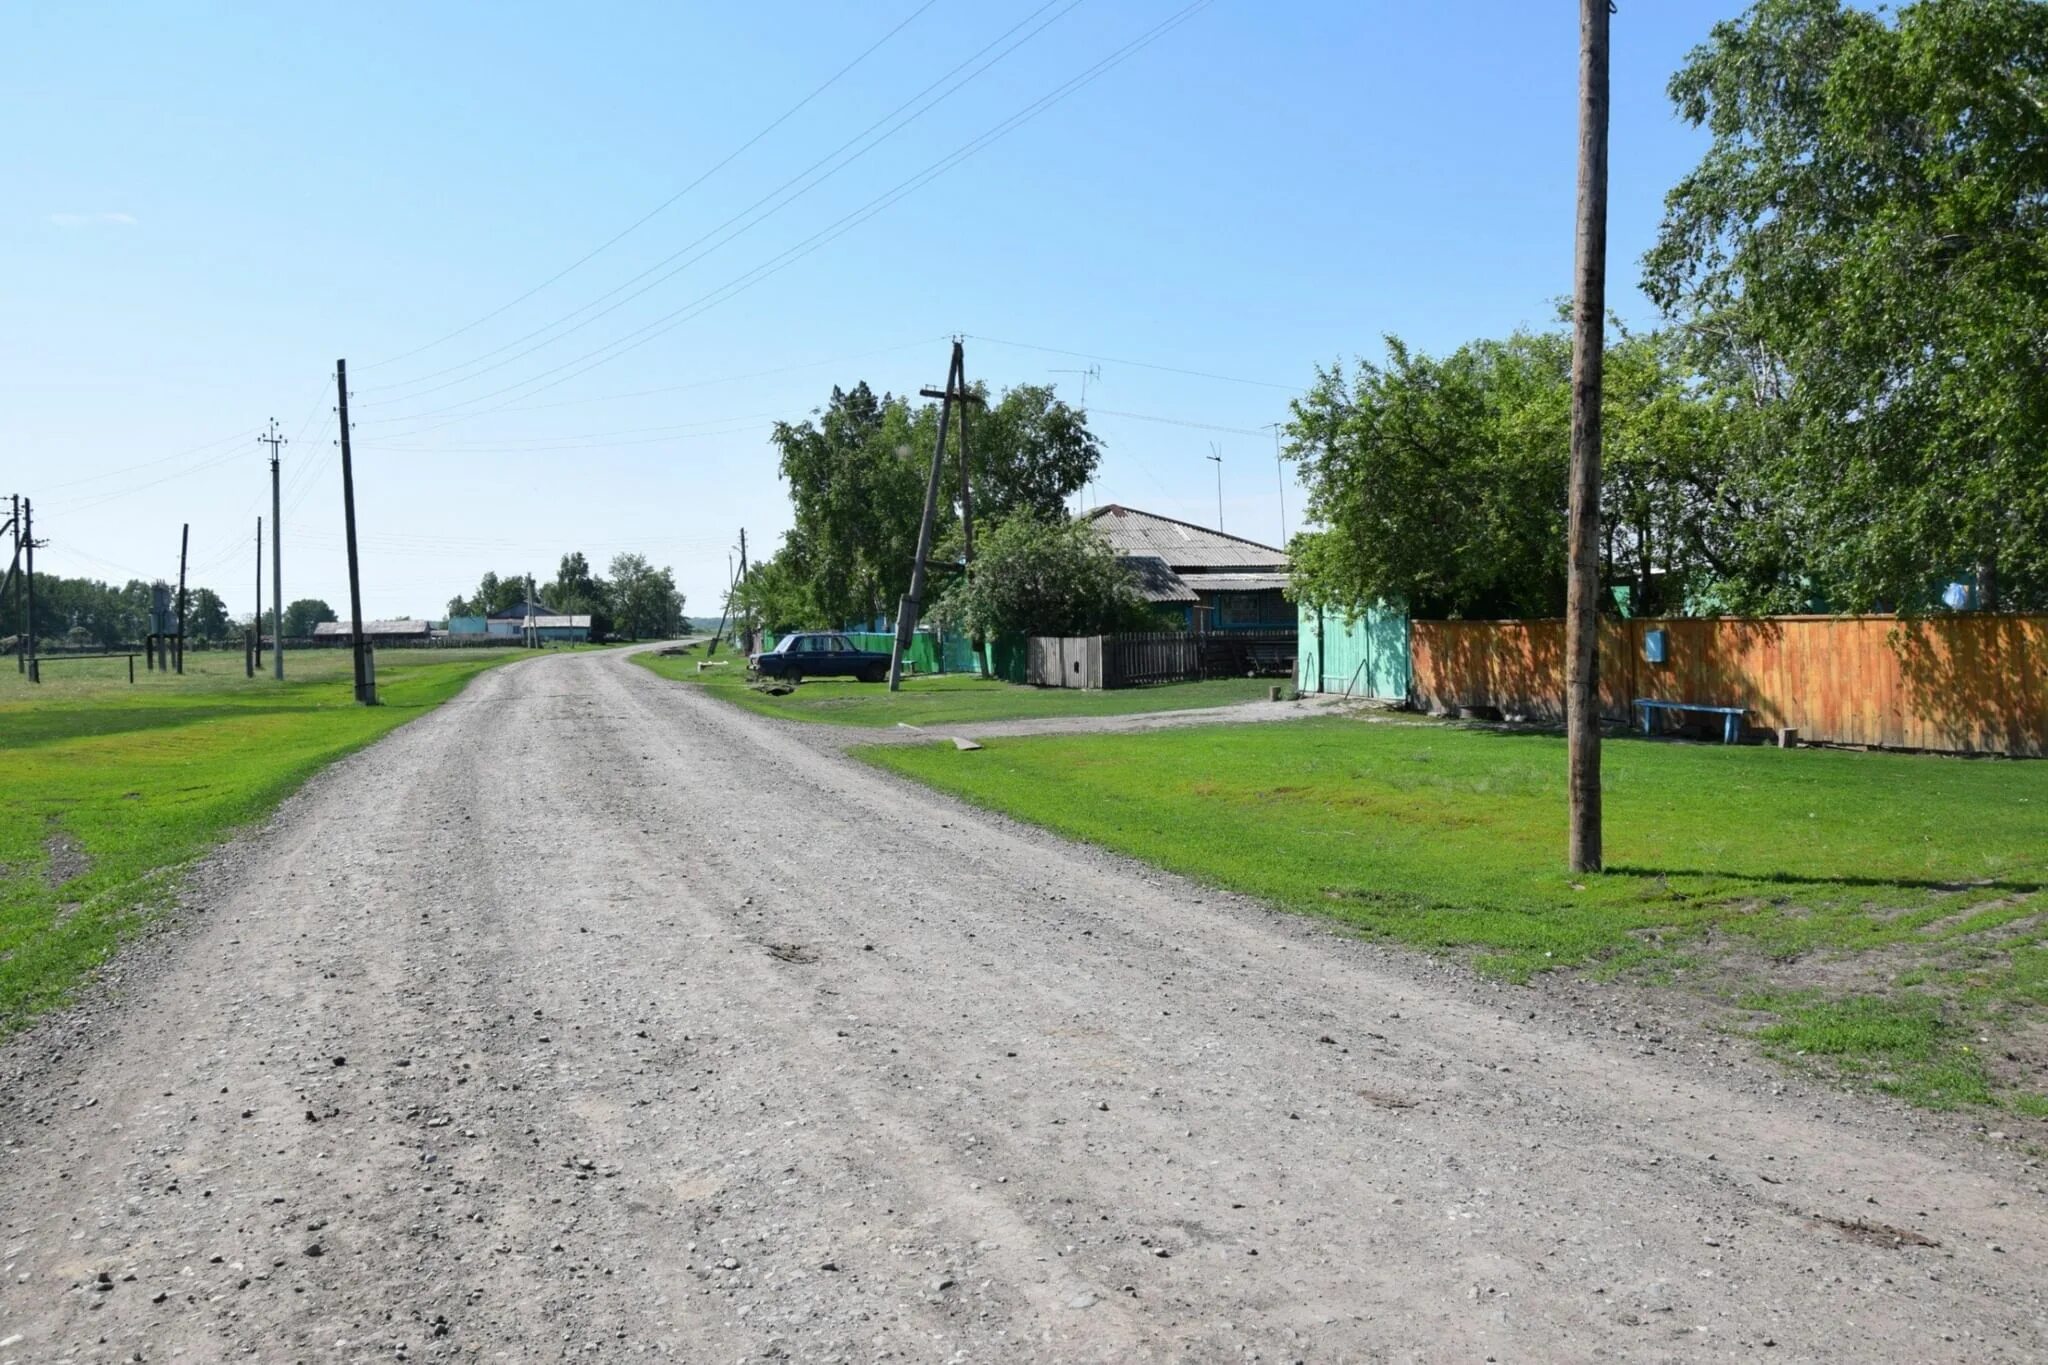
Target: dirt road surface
{"type": "Point", "coordinates": [590, 1019]}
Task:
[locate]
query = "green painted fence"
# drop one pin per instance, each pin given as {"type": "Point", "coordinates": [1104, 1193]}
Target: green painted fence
{"type": "Point", "coordinates": [928, 652]}
{"type": "Point", "coordinates": [1367, 657]}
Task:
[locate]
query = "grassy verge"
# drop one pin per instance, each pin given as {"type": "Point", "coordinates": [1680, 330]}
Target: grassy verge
{"type": "Point", "coordinates": [1880, 915]}
{"type": "Point", "coordinates": [109, 790]}
{"type": "Point", "coordinates": [954, 699]}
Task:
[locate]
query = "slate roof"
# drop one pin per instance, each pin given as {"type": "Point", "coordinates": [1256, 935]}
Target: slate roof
{"type": "Point", "coordinates": [1183, 545]}
{"type": "Point", "coordinates": [328, 629]}
{"type": "Point", "coordinates": [1156, 582]}
{"type": "Point", "coordinates": [1236, 582]}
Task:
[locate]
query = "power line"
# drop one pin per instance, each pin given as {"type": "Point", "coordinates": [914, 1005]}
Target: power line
{"type": "Point", "coordinates": [1176, 422]}
{"type": "Point", "coordinates": [744, 228]}
{"type": "Point", "coordinates": [665, 204]}
{"type": "Point", "coordinates": [147, 464]}
{"type": "Point", "coordinates": [679, 388]}
{"type": "Point", "coordinates": [668, 322]}
{"type": "Point", "coordinates": [1143, 365]}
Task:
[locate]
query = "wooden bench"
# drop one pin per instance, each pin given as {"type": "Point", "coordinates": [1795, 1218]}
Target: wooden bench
{"type": "Point", "coordinates": [1731, 716]}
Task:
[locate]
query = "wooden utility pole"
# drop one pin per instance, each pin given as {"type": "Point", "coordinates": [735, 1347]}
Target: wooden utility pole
{"type": "Point", "coordinates": [184, 544]}
{"type": "Point", "coordinates": [28, 545]}
{"type": "Point", "coordinates": [366, 689]}
{"type": "Point", "coordinates": [256, 621]}
{"type": "Point", "coordinates": [273, 440]}
{"type": "Point", "coordinates": [1589, 320]}
{"type": "Point", "coordinates": [746, 616]}
{"type": "Point", "coordinates": [912, 606]}
{"type": "Point", "coordinates": [13, 578]}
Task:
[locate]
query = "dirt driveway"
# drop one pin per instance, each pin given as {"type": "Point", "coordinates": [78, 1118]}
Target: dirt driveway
{"type": "Point", "coordinates": [591, 1019]}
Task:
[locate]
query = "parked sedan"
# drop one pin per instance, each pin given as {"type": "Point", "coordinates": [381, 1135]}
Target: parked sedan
{"type": "Point", "coordinates": [819, 655]}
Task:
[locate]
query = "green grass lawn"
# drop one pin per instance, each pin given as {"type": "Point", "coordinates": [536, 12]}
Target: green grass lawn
{"type": "Point", "coordinates": [109, 790]}
{"type": "Point", "coordinates": [1877, 911]}
{"type": "Point", "coordinates": [951, 699]}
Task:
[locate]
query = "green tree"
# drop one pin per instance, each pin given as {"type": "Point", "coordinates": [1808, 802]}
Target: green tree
{"type": "Point", "coordinates": [644, 600]}
{"type": "Point", "coordinates": [1861, 257]}
{"type": "Point", "coordinates": [857, 472]}
{"type": "Point", "coordinates": [206, 616]}
{"type": "Point", "coordinates": [1038, 577]}
{"type": "Point", "coordinates": [1439, 482]}
{"type": "Point", "coordinates": [856, 490]}
{"type": "Point", "coordinates": [301, 616]}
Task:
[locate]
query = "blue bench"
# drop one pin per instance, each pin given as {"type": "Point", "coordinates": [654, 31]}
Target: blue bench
{"type": "Point", "coordinates": [1731, 716]}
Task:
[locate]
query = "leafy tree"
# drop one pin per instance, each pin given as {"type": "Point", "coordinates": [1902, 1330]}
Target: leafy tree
{"type": "Point", "coordinates": [1441, 482]}
{"type": "Point", "coordinates": [857, 473]}
{"type": "Point", "coordinates": [206, 616]}
{"type": "Point", "coordinates": [1861, 258]}
{"type": "Point", "coordinates": [1038, 577]}
{"type": "Point", "coordinates": [301, 616]}
{"type": "Point", "coordinates": [644, 600]}
{"type": "Point", "coordinates": [492, 594]}
{"type": "Point", "coordinates": [856, 489]}
{"type": "Point", "coordinates": [575, 591]}
{"type": "Point", "coordinates": [1029, 451]}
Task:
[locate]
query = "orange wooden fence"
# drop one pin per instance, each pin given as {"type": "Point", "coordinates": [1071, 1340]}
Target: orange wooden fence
{"type": "Point", "coordinates": [1964, 684]}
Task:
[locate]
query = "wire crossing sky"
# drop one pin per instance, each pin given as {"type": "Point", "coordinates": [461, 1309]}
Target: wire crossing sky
{"type": "Point", "coordinates": [580, 261]}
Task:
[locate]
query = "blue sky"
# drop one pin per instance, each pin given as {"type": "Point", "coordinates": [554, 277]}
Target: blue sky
{"type": "Point", "coordinates": [209, 203]}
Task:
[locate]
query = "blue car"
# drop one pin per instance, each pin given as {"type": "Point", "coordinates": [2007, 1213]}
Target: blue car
{"type": "Point", "coordinates": [819, 654]}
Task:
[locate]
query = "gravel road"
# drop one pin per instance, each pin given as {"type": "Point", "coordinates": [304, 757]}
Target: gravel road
{"type": "Point", "coordinates": [588, 1018]}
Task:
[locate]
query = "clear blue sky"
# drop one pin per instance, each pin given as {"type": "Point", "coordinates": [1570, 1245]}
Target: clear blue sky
{"type": "Point", "coordinates": [208, 203]}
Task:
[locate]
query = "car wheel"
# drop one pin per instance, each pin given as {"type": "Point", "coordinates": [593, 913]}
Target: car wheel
{"type": "Point", "coordinates": [793, 677]}
{"type": "Point", "coordinates": [874, 675]}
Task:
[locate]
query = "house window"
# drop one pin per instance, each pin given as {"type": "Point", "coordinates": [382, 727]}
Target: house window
{"type": "Point", "coordinates": [1249, 608]}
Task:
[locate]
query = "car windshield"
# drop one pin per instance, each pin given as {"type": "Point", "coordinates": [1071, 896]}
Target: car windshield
{"type": "Point", "coordinates": [788, 644]}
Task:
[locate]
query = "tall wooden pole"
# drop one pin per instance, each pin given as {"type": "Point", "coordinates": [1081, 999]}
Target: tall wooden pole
{"type": "Point", "coordinates": [28, 541]}
{"type": "Point", "coordinates": [913, 601]}
{"type": "Point", "coordinates": [273, 440]}
{"type": "Point", "coordinates": [256, 621]}
{"type": "Point", "coordinates": [1589, 320]}
{"type": "Point", "coordinates": [184, 544]}
{"type": "Point", "coordinates": [365, 691]}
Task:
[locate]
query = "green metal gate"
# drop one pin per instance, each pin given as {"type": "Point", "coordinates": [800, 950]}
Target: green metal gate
{"type": "Point", "coordinates": [1367, 657]}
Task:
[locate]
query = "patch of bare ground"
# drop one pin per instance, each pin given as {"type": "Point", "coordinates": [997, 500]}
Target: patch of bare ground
{"type": "Point", "coordinates": [67, 859]}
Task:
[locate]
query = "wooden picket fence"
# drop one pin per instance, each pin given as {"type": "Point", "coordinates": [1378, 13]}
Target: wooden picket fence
{"type": "Point", "coordinates": [1968, 683]}
{"type": "Point", "coordinates": [1146, 658]}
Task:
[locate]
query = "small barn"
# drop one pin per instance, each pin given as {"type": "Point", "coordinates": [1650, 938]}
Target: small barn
{"type": "Point", "coordinates": [399, 632]}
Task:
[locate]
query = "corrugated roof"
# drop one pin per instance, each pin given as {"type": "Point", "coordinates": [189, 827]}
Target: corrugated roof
{"type": "Point", "coordinates": [1157, 582]}
{"type": "Point", "coordinates": [1236, 582]}
{"type": "Point", "coordinates": [1182, 544]}
{"type": "Point", "coordinates": [400, 627]}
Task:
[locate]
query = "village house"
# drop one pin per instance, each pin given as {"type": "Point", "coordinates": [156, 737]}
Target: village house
{"type": "Point", "coordinates": [1213, 582]}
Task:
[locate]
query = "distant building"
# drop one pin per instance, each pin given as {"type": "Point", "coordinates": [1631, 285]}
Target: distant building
{"type": "Point", "coordinates": [510, 624]}
{"type": "Point", "coordinates": [1217, 582]}
{"type": "Point", "coordinates": [400, 632]}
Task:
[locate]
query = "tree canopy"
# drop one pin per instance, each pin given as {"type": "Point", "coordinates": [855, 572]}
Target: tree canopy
{"type": "Point", "coordinates": [1861, 260]}
{"type": "Point", "coordinates": [301, 616]}
{"type": "Point", "coordinates": [856, 472]}
{"type": "Point", "coordinates": [1846, 410]}
{"type": "Point", "coordinates": [1041, 577]}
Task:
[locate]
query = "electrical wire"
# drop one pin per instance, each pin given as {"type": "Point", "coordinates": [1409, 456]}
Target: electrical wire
{"type": "Point", "coordinates": [679, 388]}
{"type": "Point", "coordinates": [1175, 421]}
{"type": "Point", "coordinates": [147, 464]}
{"type": "Point", "coordinates": [744, 228]}
{"type": "Point", "coordinates": [665, 204]}
{"type": "Point", "coordinates": [1141, 364]}
{"type": "Point", "coordinates": [668, 322]}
